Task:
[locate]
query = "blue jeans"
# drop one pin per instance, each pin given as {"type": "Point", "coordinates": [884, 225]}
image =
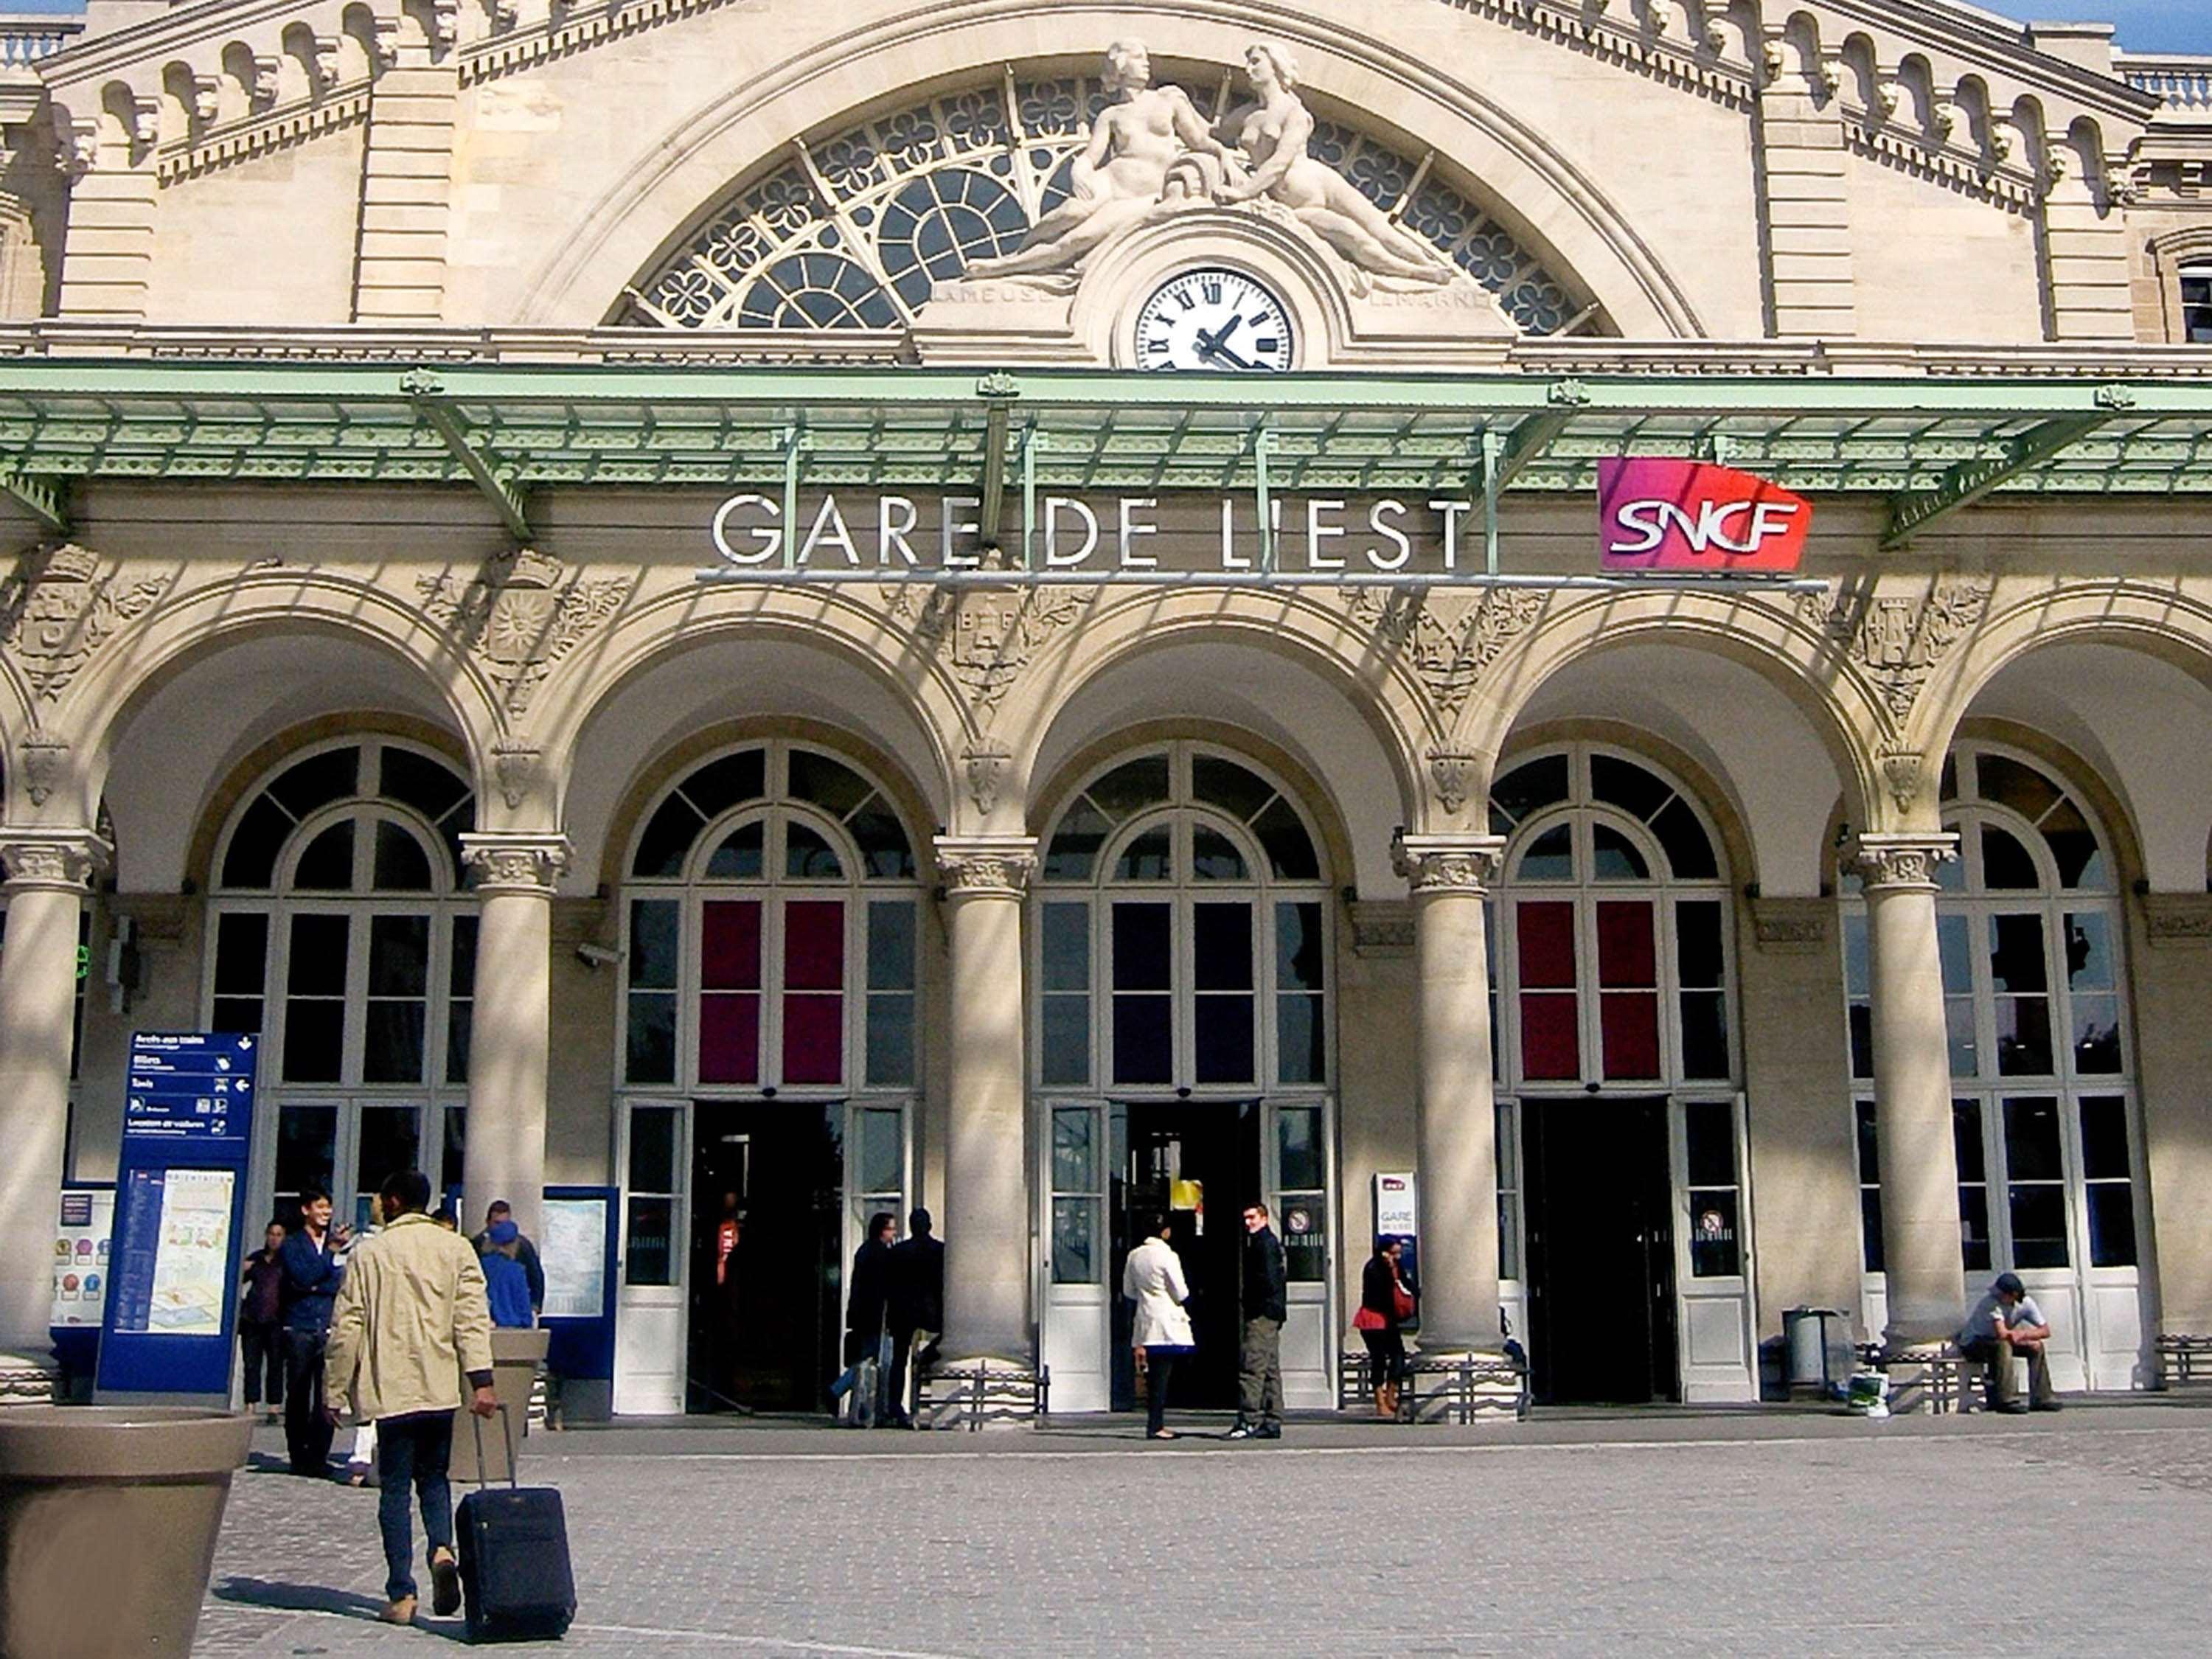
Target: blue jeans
{"type": "Point", "coordinates": [412, 1452]}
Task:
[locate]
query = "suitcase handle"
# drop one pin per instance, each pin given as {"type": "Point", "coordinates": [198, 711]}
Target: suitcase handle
{"type": "Point", "coordinates": [507, 1439]}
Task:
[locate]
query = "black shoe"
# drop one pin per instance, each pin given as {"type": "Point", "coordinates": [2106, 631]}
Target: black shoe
{"type": "Point", "coordinates": [2010, 1409]}
{"type": "Point", "coordinates": [1269, 1432]}
{"type": "Point", "coordinates": [1243, 1432]}
{"type": "Point", "coordinates": [2047, 1406]}
{"type": "Point", "coordinates": [445, 1584]}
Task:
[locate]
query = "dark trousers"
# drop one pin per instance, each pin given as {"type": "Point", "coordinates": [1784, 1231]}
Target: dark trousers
{"type": "Point", "coordinates": [1997, 1356]}
{"type": "Point", "coordinates": [412, 1452]}
{"type": "Point", "coordinates": [306, 1431]}
{"type": "Point", "coordinates": [1386, 1356]}
{"type": "Point", "coordinates": [1259, 1371]}
{"type": "Point", "coordinates": [263, 1346]}
{"type": "Point", "coordinates": [1160, 1367]}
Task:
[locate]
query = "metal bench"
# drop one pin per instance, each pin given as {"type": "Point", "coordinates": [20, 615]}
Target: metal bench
{"type": "Point", "coordinates": [1944, 1382]}
{"type": "Point", "coordinates": [970, 1395]}
{"type": "Point", "coordinates": [2184, 1361]}
{"type": "Point", "coordinates": [1460, 1387]}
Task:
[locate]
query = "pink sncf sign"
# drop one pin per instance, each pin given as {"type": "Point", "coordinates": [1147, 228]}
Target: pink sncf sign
{"type": "Point", "coordinates": [1661, 514]}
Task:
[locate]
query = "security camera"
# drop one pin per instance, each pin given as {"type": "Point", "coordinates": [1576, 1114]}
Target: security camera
{"type": "Point", "coordinates": [596, 956]}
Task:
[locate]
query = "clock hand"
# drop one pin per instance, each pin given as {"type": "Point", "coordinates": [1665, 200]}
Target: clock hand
{"type": "Point", "coordinates": [1209, 343]}
{"type": "Point", "coordinates": [1207, 349]}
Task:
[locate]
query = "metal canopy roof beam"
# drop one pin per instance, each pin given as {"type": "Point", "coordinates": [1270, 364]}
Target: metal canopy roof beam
{"type": "Point", "coordinates": [1970, 481]}
{"type": "Point", "coordinates": [1528, 441]}
{"type": "Point", "coordinates": [420, 387]}
{"type": "Point", "coordinates": [44, 502]}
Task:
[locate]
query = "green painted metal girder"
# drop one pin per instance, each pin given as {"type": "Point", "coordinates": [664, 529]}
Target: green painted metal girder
{"type": "Point", "coordinates": [42, 498]}
{"type": "Point", "coordinates": [488, 477]}
{"type": "Point", "coordinates": [1971, 481]}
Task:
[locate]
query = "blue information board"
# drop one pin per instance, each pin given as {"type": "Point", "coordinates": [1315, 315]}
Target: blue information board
{"type": "Point", "coordinates": [171, 1309]}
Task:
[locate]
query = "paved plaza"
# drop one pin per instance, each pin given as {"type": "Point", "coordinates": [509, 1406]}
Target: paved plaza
{"type": "Point", "coordinates": [1705, 1533]}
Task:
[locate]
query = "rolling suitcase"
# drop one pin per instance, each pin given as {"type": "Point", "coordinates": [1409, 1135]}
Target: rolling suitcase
{"type": "Point", "coordinates": [516, 1584]}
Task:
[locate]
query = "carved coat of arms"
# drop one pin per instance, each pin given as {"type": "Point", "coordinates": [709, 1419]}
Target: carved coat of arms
{"type": "Point", "coordinates": [56, 609]}
{"type": "Point", "coordinates": [519, 618]}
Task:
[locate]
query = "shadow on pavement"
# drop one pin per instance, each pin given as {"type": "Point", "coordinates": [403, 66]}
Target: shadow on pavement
{"type": "Point", "coordinates": [318, 1598]}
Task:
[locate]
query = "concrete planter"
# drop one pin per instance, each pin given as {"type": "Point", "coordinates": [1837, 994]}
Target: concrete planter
{"type": "Point", "coordinates": [108, 1517]}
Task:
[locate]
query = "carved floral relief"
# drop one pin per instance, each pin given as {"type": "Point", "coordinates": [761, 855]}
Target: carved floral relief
{"type": "Point", "coordinates": [57, 609]}
{"type": "Point", "coordinates": [520, 618]}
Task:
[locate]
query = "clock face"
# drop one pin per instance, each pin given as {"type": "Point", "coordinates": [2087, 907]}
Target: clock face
{"type": "Point", "coordinates": [1213, 318]}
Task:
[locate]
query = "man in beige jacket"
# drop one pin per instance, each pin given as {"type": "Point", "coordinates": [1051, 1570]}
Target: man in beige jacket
{"type": "Point", "coordinates": [410, 1326]}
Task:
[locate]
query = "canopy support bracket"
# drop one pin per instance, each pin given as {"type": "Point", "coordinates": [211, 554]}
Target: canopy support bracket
{"type": "Point", "coordinates": [1263, 445]}
{"type": "Point", "coordinates": [492, 481]}
{"type": "Point", "coordinates": [1970, 481]}
{"type": "Point", "coordinates": [45, 501]}
{"type": "Point", "coordinates": [998, 392]}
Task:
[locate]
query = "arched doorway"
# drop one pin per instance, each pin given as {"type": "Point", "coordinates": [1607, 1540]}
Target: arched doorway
{"type": "Point", "coordinates": [1183, 1060]}
{"type": "Point", "coordinates": [340, 931]}
{"type": "Point", "coordinates": [2043, 1108]}
{"type": "Point", "coordinates": [1622, 1210]}
{"type": "Point", "coordinates": [767, 1067]}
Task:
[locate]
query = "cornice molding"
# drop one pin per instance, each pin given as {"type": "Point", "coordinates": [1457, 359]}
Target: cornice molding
{"type": "Point", "coordinates": [1792, 927]}
{"type": "Point", "coordinates": [2177, 919]}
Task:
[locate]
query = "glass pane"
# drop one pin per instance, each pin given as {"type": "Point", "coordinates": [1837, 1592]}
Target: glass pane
{"type": "Point", "coordinates": [2038, 1226]}
{"type": "Point", "coordinates": [653, 937]}
{"type": "Point", "coordinates": [1958, 1030]}
{"type": "Point", "coordinates": [316, 782]}
{"type": "Point", "coordinates": [392, 1043]}
{"type": "Point", "coordinates": [813, 1039]}
{"type": "Point", "coordinates": [1074, 1241]}
{"type": "Point", "coordinates": [1290, 849]}
{"type": "Point", "coordinates": [2005, 863]}
{"type": "Point", "coordinates": [1630, 1029]}
{"type": "Point", "coordinates": [1224, 783]}
{"type": "Point", "coordinates": [401, 866]}
{"type": "Point", "coordinates": [649, 1251]}
{"type": "Point", "coordinates": [1546, 936]}
{"type": "Point", "coordinates": [1074, 1150]}
{"type": "Point", "coordinates": [398, 956]}
{"type": "Point", "coordinates": [1074, 849]}
{"type": "Point", "coordinates": [1870, 1254]}
{"type": "Point", "coordinates": [1550, 857]}
{"type": "Point", "coordinates": [1531, 787]}
{"type": "Point", "coordinates": [1716, 1242]}
{"type": "Point", "coordinates": [1550, 1042]}
{"type": "Point", "coordinates": [2074, 848]}
{"type": "Point", "coordinates": [1141, 947]}
{"type": "Point", "coordinates": [830, 784]}
{"type": "Point", "coordinates": [1704, 1033]}
{"type": "Point", "coordinates": [1300, 1053]}
{"type": "Point", "coordinates": [1304, 1230]}
{"type": "Point", "coordinates": [2010, 783]}
{"type": "Point", "coordinates": [1709, 1132]}
{"type": "Point", "coordinates": [1300, 1163]}
{"type": "Point", "coordinates": [250, 862]}
{"type": "Point", "coordinates": [653, 1132]}
{"type": "Point", "coordinates": [1689, 850]}
{"type": "Point", "coordinates": [327, 864]}
{"type": "Point", "coordinates": [1150, 857]}
{"type": "Point", "coordinates": [1966, 1141]}
{"type": "Point", "coordinates": [1862, 1024]}
{"type": "Point", "coordinates": [742, 854]}
{"type": "Point", "coordinates": [1221, 946]}
{"type": "Point", "coordinates": [2088, 935]}
{"type": "Point", "coordinates": [2111, 1224]}
{"type": "Point", "coordinates": [1627, 954]}
{"type": "Point", "coordinates": [729, 1037]}
{"type": "Point", "coordinates": [1141, 1046]}
{"type": "Point", "coordinates": [808, 857]}
{"type": "Point", "coordinates": [430, 786]}
{"type": "Point", "coordinates": [668, 836]}
{"type": "Point", "coordinates": [890, 1039]}
{"type": "Point", "coordinates": [459, 1022]}
{"type": "Point", "coordinates": [2032, 1138]}
{"type": "Point", "coordinates": [2105, 1139]}
{"type": "Point", "coordinates": [1298, 960]}
{"type": "Point", "coordinates": [814, 944]}
{"type": "Point", "coordinates": [1223, 1035]}
{"type": "Point", "coordinates": [1132, 787]}
{"type": "Point", "coordinates": [2096, 1037]}
{"type": "Point", "coordinates": [1953, 945]}
{"type": "Point", "coordinates": [1625, 784]}
{"type": "Point", "coordinates": [1868, 1142]}
{"type": "Point", "coordinates": [1066, 1039]}
{"type": "Point", "coordinates": [1974, 1251]}
{"type": "Point", "coordinates": [454, 1158]}
{"type": "Point", "coordinates": [231, 1014]}
{"type": "Point", "coordinates": [2024, 1037]}
{"type": "Point", "coordinates": [730, 945]}
{"type": "Point", "coordinates": [881, 1155]}
{"type": "Point", "coordinates": [1066, 947]}
{"type": "Point", "coordinates": [307, 1148]}
{"type": "Point", "coordinates": [1214, 857]}
{"type": "Point", "coordinates": [315, 1041]}
{"type": "Point", "coordinates": [1858, 980]}
{"type": "Point", "coordinates": [391, 1144]}
{"type": "Point", "coordinates": [1613, 857]}
{"type": "Point", "coordinates": [1698, 959]}
{"type": "Point", "coordinates": [462, 973]}
{"type": "Point", "coordinates": [890, 946]}
{"type": "Point", "coordinates": [2016, 958]}
{"type": "Point", "coordinates": [718, 784]}
{"type": "Point", "coordinates": [885, 853]}
{"type": "Point", "coordinates": [241, 956]}
{"type": "Point", "coordinates": [650, 1050]}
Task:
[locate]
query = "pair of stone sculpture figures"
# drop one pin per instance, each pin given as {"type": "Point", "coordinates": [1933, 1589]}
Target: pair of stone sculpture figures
{"type": "Point", "coordinates": [1151, 154]}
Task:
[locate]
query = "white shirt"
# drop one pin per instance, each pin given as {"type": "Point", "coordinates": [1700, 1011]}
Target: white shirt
{"type": "Point", "coordinates": [1153, 1278]}
{"type": "Point", "coordinates": [1981, 1325]}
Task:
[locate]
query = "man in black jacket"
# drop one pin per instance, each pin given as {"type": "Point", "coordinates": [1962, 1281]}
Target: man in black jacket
{"type": "Point", "coordinates": [917, 1303]}
{"type": "Point", "coordinates": [1260, 1361]}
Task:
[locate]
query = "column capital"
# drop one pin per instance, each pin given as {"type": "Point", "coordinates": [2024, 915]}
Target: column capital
{"type": "Point", "coordinates": [1901, 862]}
{"type": "Point", "coordinates": [52, 860]}
{"type": "Point", "coordinates": [516, 860]}
{"type": "Point", "coordinates": [986, 866]}
{"type": "Point", "coordinates": [1466, 865]}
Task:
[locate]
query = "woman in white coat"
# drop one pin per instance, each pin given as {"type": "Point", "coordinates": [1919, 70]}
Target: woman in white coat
{"type": "Point", "coordinates": [1153, 1279]}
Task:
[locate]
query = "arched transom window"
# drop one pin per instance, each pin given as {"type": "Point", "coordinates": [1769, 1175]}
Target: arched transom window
{"type": "Point", "coordinates": [1183, 932]}
{"type": "Point", "coordinates": [770, 929]}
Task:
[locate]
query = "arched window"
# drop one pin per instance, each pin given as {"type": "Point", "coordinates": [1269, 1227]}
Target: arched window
{"type": "Point", "coordinates": [770, 926]}
{"type": "Point", "coordinates": [2030, 930]}
{"type": "Point", "coordinates": [1181, 931]}
{"type": "Point", "coordinates": [342, 933]}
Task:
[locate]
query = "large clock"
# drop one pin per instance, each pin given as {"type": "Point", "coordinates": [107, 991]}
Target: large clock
{"type": "Point", "coordinates": [1213, 318]}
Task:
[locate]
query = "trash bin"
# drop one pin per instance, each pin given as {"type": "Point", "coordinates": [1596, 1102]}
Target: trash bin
{"type": "Point", "coordinates": [108, 1517]}
{"type": "Point", "coordinates": [1805, 1335]}
{"type": "Point", "coordinates": [515, 1357]}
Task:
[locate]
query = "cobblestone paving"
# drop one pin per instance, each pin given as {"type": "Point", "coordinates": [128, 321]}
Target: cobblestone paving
{"type": "Point", "coordinates": [1653, 1535]}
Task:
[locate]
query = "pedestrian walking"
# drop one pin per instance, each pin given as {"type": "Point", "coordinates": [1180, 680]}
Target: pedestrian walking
{"type": "Point", "coordinates": [867, 1313]}
{"type": "Point", "coordinates": [1259, 1357]}
{"type": "Point", "coordinates": [411, 1322]}
{"type": "Point", "coordinates": [315, 1262]}
{"type": "Point", "coordinates": [917, 1306]}
{"type": "Point", "coordinates": [261, 1321]}
{"type": "Point", "coordinates": [507, 1286]}
{"type": "Point", "coordinates": [525, 1251]}
{"type": "Point", "coordinates": [1153, 1278]}
{"type": "Point", "coordinates": [1385, 1303]}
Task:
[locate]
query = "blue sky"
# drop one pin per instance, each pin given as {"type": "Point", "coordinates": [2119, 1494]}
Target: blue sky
{"type": "Point", "coordinates": [2145, 25]}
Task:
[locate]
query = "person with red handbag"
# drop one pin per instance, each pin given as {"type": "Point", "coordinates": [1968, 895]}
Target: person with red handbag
{"type": "Point", "coordinates": [1385, 1304]}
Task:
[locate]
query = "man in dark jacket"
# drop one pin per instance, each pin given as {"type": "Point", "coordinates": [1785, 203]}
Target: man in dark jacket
{"type": "Point", "coordinates": [313, 1265]}
{"type": "Point", "coordinates": [867, 1307]}
{"type": "Point", "coordinates": [917, 1303]}
{"type": "Point", "coordinates": [1260, 1361]}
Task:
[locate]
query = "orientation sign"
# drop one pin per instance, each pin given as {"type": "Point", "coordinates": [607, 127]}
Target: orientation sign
{"type": "Point", "coordinates": [179, 1200]}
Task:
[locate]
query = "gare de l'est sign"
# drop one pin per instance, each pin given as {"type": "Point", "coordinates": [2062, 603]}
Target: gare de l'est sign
{"type": "Point", "coordinates": [1657, 514]}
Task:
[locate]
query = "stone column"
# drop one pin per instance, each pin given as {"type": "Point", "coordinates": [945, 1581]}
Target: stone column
{"type": "Point", "coordinates": [510, 1033]}
{"type": "Point", "coordinates": [1912, 1085]}
{"type": "Point", "coordinates": [987, 1206]}
{"type": "Point", "coordinates": [1455, 1129]}
{"type": "Point", "coordinates": [49, 873]}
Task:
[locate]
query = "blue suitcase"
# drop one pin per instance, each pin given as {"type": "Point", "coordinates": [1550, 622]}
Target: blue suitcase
{"type": "Point", "coordinates": [513, 1541]}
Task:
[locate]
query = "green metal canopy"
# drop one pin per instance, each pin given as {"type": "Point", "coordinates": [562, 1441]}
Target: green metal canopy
{"type": "Point", "coordinates": [1931, 444]}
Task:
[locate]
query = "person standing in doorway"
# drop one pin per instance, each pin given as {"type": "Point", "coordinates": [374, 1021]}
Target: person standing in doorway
{"type": "Point", "coordinates": [1383, 1294]}
{"type": "Point", "coordinates": [1153, 1278]}
{"type": "Point", "coordinates": [867, 1312]}
{"type": "Point", "coordinates": [525, 1252]}
{"type": "Point", "coordinates": [917, 1305]}
{"type": "Point", "coordinates": [313, 1259]}
{"type": "Point", "coordinates": [1267, 1305]}
{"type": "Point", "coordinates": [410, 1323]}
{"type": "Point", "coordinates": [261, 1321]}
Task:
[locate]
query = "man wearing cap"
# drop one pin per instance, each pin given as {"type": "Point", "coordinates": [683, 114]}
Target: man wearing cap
{"type": "Point", "coordinates": [2004, 1322]}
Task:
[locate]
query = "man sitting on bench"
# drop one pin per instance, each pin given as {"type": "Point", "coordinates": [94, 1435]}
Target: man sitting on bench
{"type": "Point", "coordinates": [2004, 1322]}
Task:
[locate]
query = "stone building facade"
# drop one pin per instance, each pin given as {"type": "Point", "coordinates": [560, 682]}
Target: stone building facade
{"type": "Point", "coordinates": [384, 375]}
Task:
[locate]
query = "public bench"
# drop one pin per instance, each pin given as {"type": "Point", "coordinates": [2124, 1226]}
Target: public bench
{"type": "Point", "coordinates": [2184, 1362]}
{"type": "Point", "coordinates": [1459, 1387]}
{"type": "Point", "coordinates": [1944, 1378]}
{"type": "Point", "coordinates": [982, 1391]}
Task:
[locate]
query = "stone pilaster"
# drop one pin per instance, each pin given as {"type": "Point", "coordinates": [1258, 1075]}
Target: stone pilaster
{"type": "Point", "coordinates": [48, 873]}
{"type": "Point", "coordinates": [406, 194]}
{"type": "Point", "coordinates": [988, 1208]}
{"type": "Point", "coordinates": [108, 261]}
{"type": "Point", "coordinates": [2088, 274]}
{"type": "Point", "coordinates": [1454, 1131]}
{"type": "Point", "coordinates": [510, 1033]}
{"type": "Point", "coordinates": [1807, 213]}
{"type": "Point", "coordinates": [1912, 1085]}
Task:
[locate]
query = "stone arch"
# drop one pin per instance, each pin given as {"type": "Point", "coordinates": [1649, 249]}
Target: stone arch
{"type": "Point", "coordinates": [1770, 639]}
{"type": "Point", "coordinates": [1582, 233]}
